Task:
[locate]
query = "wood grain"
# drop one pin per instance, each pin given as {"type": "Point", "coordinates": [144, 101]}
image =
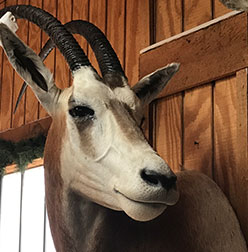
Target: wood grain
{"type": "Point", "coordinates": [230, 142]}
{"type": "Point", "coordinates": [116, 27]}
{"type": "Point", "coordinates": [98, 18]}
{"type": "Point", "coordinates": [62, 72]}
{"type": "Point", "coordinates": [2, 5]}
{"type": "Point", "coordinates": [219, 9]}
{"type": "Point", "coordinates": [7, 86]}
{"type": "Point", "coordinates": [169, 130]}
{"type": "Point", "coordinates": [198, 130]}
{"type": "Point", "coordinates": [224, 44]}
{"type": "Point", "coordinates": [168, 18]}
{"type": "Point", "coordinates": [137, 36]}
{"type": "Point", "coordinates": [34, 41]}
{"type": "Point", "coordinates": [196, 12]}
{"type": "Point", "coordinates": [36, 163]}
{"type": "Point", "coordinates": [197, 142]}
{"type": "Point", "coordinates": [27, 131]}
{"type": "Point", "coordinates": [49, 6]}
{"type": "Point", "coordinates": [80, 10]}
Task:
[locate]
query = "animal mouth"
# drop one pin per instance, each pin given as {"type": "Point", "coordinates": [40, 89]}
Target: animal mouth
{"type": "Point", "coordinates": [158, 203]}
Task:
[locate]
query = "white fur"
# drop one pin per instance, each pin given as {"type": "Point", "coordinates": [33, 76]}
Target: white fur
{"type": "Point", "coordinates": [110, 176]}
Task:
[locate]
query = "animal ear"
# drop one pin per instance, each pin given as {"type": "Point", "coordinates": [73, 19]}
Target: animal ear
{"type": "Point", "coordinates": [29, 66]}
{"type": "Point", "coordinates": [148, 88]}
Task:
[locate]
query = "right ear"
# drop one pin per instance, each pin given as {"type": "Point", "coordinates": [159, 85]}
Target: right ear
{"type": "Point", "coordinates": [148, 88]}
{"type": "Point", "coordinates": [30, 67]}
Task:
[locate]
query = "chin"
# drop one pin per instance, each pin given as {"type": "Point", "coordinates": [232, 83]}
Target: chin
{"type": "Point", "coordinates": [140, 211]}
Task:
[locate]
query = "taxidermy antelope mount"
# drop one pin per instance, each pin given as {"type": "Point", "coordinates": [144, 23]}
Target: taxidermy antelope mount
{"type": "Point", "coordinates": [99, 169]}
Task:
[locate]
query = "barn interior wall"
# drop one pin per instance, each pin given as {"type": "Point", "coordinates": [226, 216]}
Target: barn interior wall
{"type": "Point", "coordinates": [182, 124]}
{"type": "Point", "coordinates": [129, 25]}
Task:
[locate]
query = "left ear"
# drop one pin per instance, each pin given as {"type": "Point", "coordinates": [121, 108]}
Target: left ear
{"type": "Point", "coordinates": [148, 88]}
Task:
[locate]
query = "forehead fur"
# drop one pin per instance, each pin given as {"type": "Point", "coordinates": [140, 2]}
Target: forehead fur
{"type": "Point", "coordinates": [87, 84]}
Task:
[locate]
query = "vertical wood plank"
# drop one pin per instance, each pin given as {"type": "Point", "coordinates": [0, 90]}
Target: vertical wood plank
{"type": "Point", "coordinates": [198, 130]}
{"type": "Point", "coordinates": [219, 9]}
{"type": "Point", "coordinates": [230, 142]}
{"type": "Point", "coordinates": [116, 27]}
{"type": "Point", "coordinates": [196, 12]}
{"type": "Point", "coordinates": [34, 41]}
{"type": "Point", "coordinates": [62, 73]}
{"type": "Point", "coordinates": [168, 18]}
{"type": "Point", "coordinates": [168, 123]}
{"type": "Point", "coordinates": [137, 36]}
{"type": "Point", "coordinates": [51, 7]}
{"type": "Point", "coordinates": [81, 11]}
{"type": "Point", "coordinates": [97, 16]}
{"type": "Point", "coordinates": [7, 89]}
{"type": "Point", "coordinates": [197, 103]}
{"type": "Point", "coordinates": [168, 135]}
{"type": "Point", "coordinates": [2, 5]}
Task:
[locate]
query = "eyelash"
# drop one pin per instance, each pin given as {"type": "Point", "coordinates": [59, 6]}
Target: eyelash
{"type": "Point", "coordinates": [84, 112]}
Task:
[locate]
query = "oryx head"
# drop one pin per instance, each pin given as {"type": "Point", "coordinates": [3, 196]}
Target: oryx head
{"type": "Point", "coordinates": [104, 155]}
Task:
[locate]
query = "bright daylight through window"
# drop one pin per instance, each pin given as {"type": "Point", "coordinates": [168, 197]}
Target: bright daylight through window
{"type": "Point", "coordinates": [23, 224]}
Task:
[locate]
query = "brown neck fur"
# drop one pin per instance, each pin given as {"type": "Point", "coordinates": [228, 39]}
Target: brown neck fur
{"type": "Point", "coordinates": [54, 185]}
{"type": "Point", "coordinates": [203, 220]}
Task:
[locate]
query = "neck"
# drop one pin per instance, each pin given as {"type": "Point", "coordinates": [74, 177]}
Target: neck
{"type": "Point", "coordinates": [79, 225]}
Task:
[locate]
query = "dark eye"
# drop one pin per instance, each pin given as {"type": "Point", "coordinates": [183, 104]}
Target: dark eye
{"type": "Point", "coordinates": [82, 112]}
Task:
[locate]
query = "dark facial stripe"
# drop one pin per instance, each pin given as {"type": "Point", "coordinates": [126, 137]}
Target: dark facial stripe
{"type": "Point", "coordinates": [126, 121]}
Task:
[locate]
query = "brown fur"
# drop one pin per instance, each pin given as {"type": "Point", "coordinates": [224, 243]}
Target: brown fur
{"type": "Point", "coordinates": [54, 185]}
{"type": "Point", "coordinates": [126, 121]}
{"type": "Point", "coordinates": [202, 221]}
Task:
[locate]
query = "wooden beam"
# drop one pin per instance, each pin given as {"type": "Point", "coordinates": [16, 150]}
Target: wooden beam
{"type": "Point", "coordinates": [26, 131]}
{"type": "Point", "coordinates": [207, 53]}
{"type": "Point", "coordinates": [12, 168]}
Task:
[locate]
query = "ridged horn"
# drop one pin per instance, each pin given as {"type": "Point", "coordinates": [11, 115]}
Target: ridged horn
{"type": "Point", "coordinates": [63, 39]}
{"type": "Point", "coordinates": [107, 59]}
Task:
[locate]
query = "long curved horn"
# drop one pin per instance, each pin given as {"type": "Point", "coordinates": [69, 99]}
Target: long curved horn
{"type": "Point", "coordinates": [105, 54]}
{"type": "Point", "coordinates": [63, 39]}
{"type": "Point", "coordinates": [106, 57]}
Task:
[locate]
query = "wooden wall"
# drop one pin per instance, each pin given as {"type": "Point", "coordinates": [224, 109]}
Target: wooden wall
{"type": "Point", "coordinates": [203, 128]}
{"type": "Point", "coordinates": [129, 25]}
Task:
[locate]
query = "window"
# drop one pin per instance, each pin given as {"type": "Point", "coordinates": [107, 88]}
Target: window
{"type": "Point", "coordinates": [23, 221]}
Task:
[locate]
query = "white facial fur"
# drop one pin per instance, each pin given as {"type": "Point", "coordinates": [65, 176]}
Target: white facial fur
{"type": "Point", "coordinates": [104, 157]}
{"type": "Point", "coordinates": [103, 161]}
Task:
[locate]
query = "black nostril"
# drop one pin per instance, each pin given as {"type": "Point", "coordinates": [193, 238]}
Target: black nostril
{"type": "Point", "coordinates": [154, 178]}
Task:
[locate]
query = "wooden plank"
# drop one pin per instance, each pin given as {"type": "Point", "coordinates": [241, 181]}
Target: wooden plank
{"type": "Point", "coordinates": [97, 16]}
{"type": "Point", "coordinates": [230, 142]}
{"type": "Point", "coordinates": [116, 27]}
{"type": "Point", "coordinates": [36, 163]}
{"type": "Point", "coordinates": [62, 72]}
{"type": "Point", "coordinates": [81, 11]}
{"type": "Point", "coordinates": [197, 141]}
{"type": "Point", "coordinates": [27, 131]}
{"type": "Point", "coordinates": [168, 135]}
{"type": "Point", "coordinates": [137, 36]}
{"type": "Point", "coordinates": [34, 41]}
{"type": "Point", "coordinates": [2, 5]}
{"type": "Point", "coordinates": [208, 54]}
{"type": "Point", "coordinates": [196, 12]}
{"type": "Point", "coordinates": [168, 18]}
{"type": "Point", "coordinates": [6, 89]}
{"type": "Point", "coordinates": [220, 9]}
{"type": "Point", "coordinates": [51, 7]}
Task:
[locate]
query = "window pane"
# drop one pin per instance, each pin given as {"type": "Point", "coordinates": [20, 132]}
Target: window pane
{"type": "Point", "coordinates": [10, 213]}
{"type": "Point", "coordinates": [33, 211]}
{"type": "Point", "coordinates": [32, 238]}
{"type": "Point", "coordinates": [49, 241]}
